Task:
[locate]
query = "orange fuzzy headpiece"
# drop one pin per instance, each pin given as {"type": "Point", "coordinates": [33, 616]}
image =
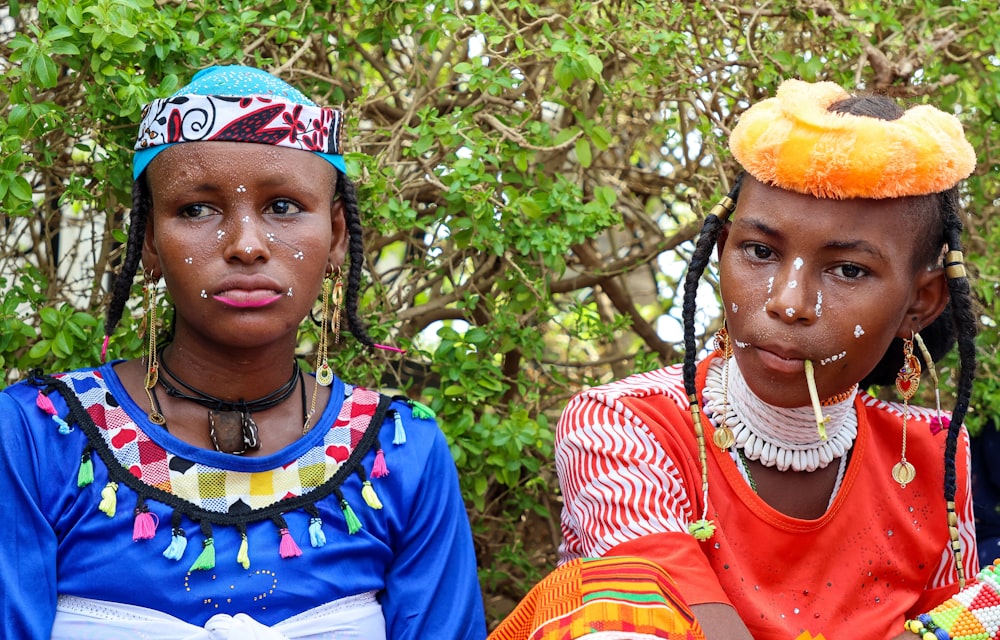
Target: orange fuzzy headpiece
{"type": "Point", "coordinates": [793, 142]}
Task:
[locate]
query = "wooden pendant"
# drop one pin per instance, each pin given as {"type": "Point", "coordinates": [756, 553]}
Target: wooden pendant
{"type": "Point", "coordinates": [226, 431]}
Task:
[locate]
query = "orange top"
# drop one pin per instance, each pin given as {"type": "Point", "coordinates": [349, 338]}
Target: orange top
{"type": "Point", "coordinates": [628, 465]}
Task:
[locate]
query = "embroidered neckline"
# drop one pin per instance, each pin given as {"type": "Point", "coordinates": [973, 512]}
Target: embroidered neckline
{"type": "Point", "coordinates": [209, 495]}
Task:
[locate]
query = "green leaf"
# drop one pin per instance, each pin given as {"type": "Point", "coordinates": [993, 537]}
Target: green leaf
{"type": "Point", "coordinates": [583, 153]}
{"type": "Point", "coordinates": [20, 188]}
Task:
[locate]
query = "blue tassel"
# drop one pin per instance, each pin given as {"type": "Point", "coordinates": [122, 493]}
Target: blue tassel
{"type": "Point", "coordinates": [64, 427]}
{"type": "Point", "coordinates": [400, 436]}
{"type": "Point", "coordinates": [316, 536]}
{"type": "Point", "coordinates": [178, 544]}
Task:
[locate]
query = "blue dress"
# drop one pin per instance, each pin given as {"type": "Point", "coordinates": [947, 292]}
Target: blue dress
{"type": "Point", "coordinates": [112, 507]}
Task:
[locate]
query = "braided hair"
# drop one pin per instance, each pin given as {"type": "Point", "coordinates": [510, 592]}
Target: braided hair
{"type": "Point", "coordinates": [956, 322]}
{"type": "Point", "coordinates": [142, 202]}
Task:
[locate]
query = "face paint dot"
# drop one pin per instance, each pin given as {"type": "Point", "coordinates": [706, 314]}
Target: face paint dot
{"type": "Point", "coordinates": [246, 218]}
{"type": "Point", "coordinates": [189, 260]}
{"type": "Point", "coordinates": [858, 331]}
{"type": "Point", "coordinates": [770, 284]}
{"type": "Point", "coordinates": [793, 284]}
{"type": "Point", "coordinates": [819, 304]}
{"type": "Point", "coordinates": [271, 237]}
{"type": "Point", "coordinates": [833, 358]}
{"type": "Point", "coordinates": [204, 294]}
{"type": "Point", "coordinates": [735, 307]}
{"type": "Point", "coordinates": [741, 344]}
{"type": "Point", "coordinates": [797, 263]}
{"type": "Point", "coordinates": [249, 249]}
{"type": "Point", "coordinates": [241, 189]}
{"type": "Point", "coordinates": [789, 312]}
{"type": "Point", "coordinates": [289, 292]}
{"type": "Point", "coordinates": [299, 256]}
{"type": "Point", "coordinates": [220, 233]}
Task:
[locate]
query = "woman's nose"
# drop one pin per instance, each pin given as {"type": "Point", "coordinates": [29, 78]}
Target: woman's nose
{"type": "Point", "coordinates": [792, 299]}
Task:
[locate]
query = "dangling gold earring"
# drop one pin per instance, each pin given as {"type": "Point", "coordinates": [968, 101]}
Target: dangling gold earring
{"type": "Point", "coordinates": [149, 304]}
{"type": "Point", "coordinates": [335, 299]}
{"type": "Point", "coordinates": [324, 374]}
{"type": "Point", "coordinates": [723, 436]}
{"type": "Point", "coordinates": [907, 381]}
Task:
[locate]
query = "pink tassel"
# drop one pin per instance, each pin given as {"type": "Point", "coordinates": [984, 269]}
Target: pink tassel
{"type": "Point", "coordinates": [104, 349]}
{"type": "Point", "coordinates": [45, 404]}
{"type": "Point", "coordinates": [288, 548]}
{"type": "Point", "coordinates": [939, 424]}
{"type": "Point", "coordinates": [388, 348]}
{"type": "Point", "coordinates": [145, 526]}
{"type": "Point", "coordinates": [379, 470]}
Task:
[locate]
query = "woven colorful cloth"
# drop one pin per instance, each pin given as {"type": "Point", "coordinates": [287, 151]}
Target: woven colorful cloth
{"type": "Point", "coordinates": [602, 598]}
{"type": "Point", "coordinates": [974, 612]}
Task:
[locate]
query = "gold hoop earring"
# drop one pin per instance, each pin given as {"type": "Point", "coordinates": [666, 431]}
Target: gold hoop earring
{"type": "Point", "coordinates": [149, 305]}
{"type": "Point", "coordinates": [907, 381]}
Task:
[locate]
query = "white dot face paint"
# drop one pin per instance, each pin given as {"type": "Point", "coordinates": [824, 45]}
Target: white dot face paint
{"type": "Point", "coordinates": [289, 292]}
{"type": "Point", "coordinates": [858, 331]}
{"type": "Point", "coordinates": [246, 218]}
{"type": "Point", "coordinates": [790, 312]}
{"type": "Point", "coordinates": [797, 263]}
{"type": "Point", "coordinates": [271, 237]}
{"type": "Point", "coordinates": [741, 344]}
{"type": "Point", "coordinates": [735, 307]}
{"type": "Point", "coordinates": [770, 285]}
{"type": "Point", "coordinates": [793, 284]}
{"type": "Point", "coordinates": [189, 260]}
{"type": "Point", "coordinates": [299, 255]}
{"type": "Point", "coordinates": [819, 304]}
{"type": "Point", "coordinates": [833, 358]}
{"type": "Point", "coordinates": [241, 189]}
{"type": "Point", "coordinates": [220, 233]}
{"type": "Point", "coordinates": [249, 249]}
{"type": "Point", "coordinates": [204, 294]}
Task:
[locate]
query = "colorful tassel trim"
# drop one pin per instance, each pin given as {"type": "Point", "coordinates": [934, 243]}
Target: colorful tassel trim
{"type": "Point", "coordinates": [243, 555]}
{"type": "Point", "coordinates": [206, 559]}
{"type": "Point", "coordinates": [144, 527]}
{"type": "Point", "coordinates": [85, 474]}
{"type": "Point", "coordinates": [399, 437]}
{"type": "Point", "coordinates": [109, 499]}
{"type": "Point", "coordinates": [379, 469]}
{"type": "Point", "coordinates": [178, 545]}
{"type": "Point", "coordinates": [45, 404]}
{"type": "Point", "coordinates": [353, 524]}
{"type": "Point", "coordinates": [104, 349]}
{"type": "Point", "coordinates": [287, 548]}
{"type": "Point", "coordinates": [421, 411]}
{"type": "Point", "coordinates": [368, 493]}
{"type": "Point", "coordinates": [316, 536]}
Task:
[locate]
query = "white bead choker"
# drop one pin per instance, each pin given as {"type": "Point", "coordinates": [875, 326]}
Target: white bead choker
{"type": "Point", "coordinates": [786, 438]}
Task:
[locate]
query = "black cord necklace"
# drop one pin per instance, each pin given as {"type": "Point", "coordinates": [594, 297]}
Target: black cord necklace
{"type": "Point", "coordinates": [231, 424]}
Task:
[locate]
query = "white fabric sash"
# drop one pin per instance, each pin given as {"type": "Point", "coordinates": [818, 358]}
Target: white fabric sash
{"type": "Point", "coordinates": [355, 617]}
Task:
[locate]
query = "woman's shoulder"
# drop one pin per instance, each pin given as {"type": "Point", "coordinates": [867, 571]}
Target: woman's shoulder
{"type": "Point", "coordinates": [666, 381]}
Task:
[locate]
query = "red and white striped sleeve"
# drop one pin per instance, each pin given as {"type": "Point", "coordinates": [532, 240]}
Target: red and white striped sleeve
{"type": "Point", "coordinates": [618, 483]}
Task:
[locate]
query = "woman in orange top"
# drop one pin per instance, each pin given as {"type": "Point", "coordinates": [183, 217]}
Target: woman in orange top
{"type": "Point", "coordinates": [782, 499]}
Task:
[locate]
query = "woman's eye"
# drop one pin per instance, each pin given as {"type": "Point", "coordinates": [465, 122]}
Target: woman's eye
{"type": "Point", "coordinates": [760, 251]}
{"type": "Point", "coordinates": [284, 207]}
{"type": "Point", "coordinates": [850, 271]}
{"type": "Point", "coordinates": [196, 211]}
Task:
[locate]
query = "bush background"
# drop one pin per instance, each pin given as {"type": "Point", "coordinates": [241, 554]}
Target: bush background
{"type": "Point", "coordinates": [530, 173]}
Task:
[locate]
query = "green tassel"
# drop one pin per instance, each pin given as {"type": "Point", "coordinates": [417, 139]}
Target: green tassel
{"type": "Point", "coordinates": [368, 493]}
{"type": "Point", "coordinates": [243, 557]}
{"type": "Point", "coordinates": [85, 475]}
{"type": "Point", "coordinates": [205, 559]}
{"type": "Point", "coordinates": [353, 524]}
{"type": "Point", "coordinates": [109, 499]}
{"type": "Point", "coordinates": [421, 411]}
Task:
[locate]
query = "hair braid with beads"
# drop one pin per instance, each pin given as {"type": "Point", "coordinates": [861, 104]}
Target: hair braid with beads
{"type": "Point", "coordinates": [958, 324]}
{"type": "Point", "coordinates": [142, 204]}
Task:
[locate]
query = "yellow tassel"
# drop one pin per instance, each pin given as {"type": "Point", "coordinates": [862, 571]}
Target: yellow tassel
{"type": "Point", "coordinates": [243, 556]}
{"type": "Point", "coordinates": [368, 493]}
{"type": "Point", "coordinates": [109, 499]}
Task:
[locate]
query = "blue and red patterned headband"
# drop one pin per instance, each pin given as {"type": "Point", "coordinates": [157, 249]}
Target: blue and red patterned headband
{"type": "Point", "coordinates": [239, 104]}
